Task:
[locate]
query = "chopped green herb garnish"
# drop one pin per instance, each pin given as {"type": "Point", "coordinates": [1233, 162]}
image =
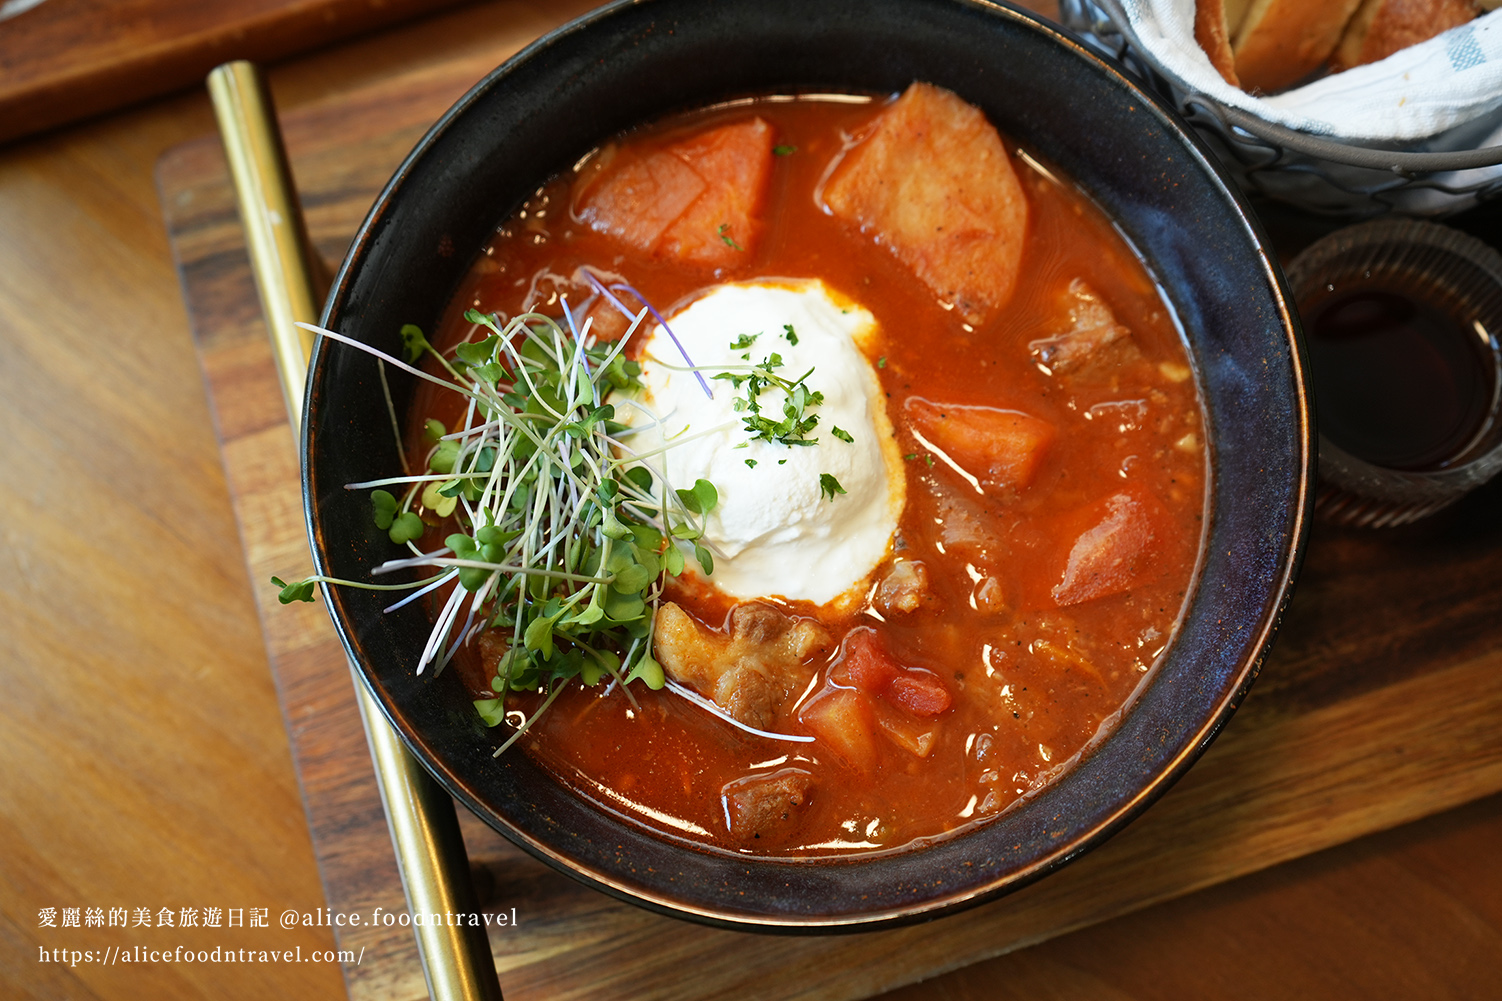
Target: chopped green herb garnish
{"type": "Point", "coordinates": [796, 422]}
{"type": "Point", "coordinates": [751, 463]}
{"type": "Point", "coordinates": [841, 434]}
{"type": "Point", "coordinates": [724, 236]}
{"type": "Point", "coordinates": [829, 486]}
{"type": "Point", "coordinates": [782, 149]}
{"type": "Point", "coordinates": [910, 456]}
{"type": "Point", "coordinates": [881, 362]}
{"type": "Point", "coordinates": [743, 342]}
{"type": "Point", "coordinates": [790, 334]}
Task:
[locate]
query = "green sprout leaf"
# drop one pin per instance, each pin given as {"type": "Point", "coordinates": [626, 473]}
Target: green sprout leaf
{"type": "Point", "coordinates": [413, 341]}
{"type": "Point", "coordinates": [406, 528]}
{"type": "Point", "coordinates": [492, 711]}
{"type": "Point", "coordinates": [477, 353]}
{"type": "Point", "coordinates": [384, 504]}
{"type": "Point", "coordinates": [444, 456]}
{"type": "Point", "coordinates": [648, 672]}
{"type": "Point", "coordinates": [300, 591]}
{"type": "Point", "coordinates": [702, 499]}
{"type": "Point", "coordinates": [437, 498]}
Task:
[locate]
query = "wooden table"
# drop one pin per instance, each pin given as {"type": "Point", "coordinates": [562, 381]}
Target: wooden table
{"type": "Point", "coordinates": [146, 764]}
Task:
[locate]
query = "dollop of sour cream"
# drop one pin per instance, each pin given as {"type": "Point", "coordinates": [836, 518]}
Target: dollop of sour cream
{"type": "Point", "coordinates": [775, 532]}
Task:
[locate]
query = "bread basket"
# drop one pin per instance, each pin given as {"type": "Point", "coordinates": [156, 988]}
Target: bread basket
{"type": "Point", "coordinates": [1442, 174]}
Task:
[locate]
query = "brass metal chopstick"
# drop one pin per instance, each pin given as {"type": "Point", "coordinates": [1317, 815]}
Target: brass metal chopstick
{"type": "Point", "coordinates": [424, 828]}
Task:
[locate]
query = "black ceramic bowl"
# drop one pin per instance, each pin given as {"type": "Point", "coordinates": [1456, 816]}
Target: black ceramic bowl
{"type": "Point", "coordinates": [634, 62]}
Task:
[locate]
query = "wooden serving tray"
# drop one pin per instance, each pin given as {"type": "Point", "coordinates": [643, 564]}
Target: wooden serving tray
{"type": "Point", "coordinates": [1378, 705]}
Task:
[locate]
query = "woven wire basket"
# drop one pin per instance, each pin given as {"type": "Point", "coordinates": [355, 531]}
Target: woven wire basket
{"type": "Point", "coordinates": [1448, 174]}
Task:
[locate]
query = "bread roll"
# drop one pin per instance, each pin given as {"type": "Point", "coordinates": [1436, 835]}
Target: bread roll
{"type": "Point", "coordinates": [1382, 27]}
{"type": "Point", "coordinates": [1215, 21]}
{"type": "Point", "coordinates": [1282, 41]}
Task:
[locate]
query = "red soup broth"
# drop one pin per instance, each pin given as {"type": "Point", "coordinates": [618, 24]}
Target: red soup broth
{"type": "Point", "coordinates": [1034, 676]}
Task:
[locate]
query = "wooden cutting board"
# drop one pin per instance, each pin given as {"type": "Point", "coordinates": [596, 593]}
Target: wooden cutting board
{"type": "Point", "coordinates": [62, 60]}
{"type": "Point", "coordinates": [1379, 705]}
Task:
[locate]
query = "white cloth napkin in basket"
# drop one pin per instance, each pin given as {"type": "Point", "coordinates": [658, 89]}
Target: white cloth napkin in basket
{"type": "Point", "coordinates": [1428, 90]}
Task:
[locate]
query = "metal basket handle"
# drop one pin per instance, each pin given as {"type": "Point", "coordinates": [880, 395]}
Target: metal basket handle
{"type": "Point", "coordinates": [1347, 154]}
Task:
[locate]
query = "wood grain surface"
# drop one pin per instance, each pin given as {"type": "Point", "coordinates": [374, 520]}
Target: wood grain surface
{"type": "Point", "coordinates": [63, 60]}
{"type": "Point", "coordinates": [1340, 739]}
{"type": "Point", "coordinates": [146, 764]}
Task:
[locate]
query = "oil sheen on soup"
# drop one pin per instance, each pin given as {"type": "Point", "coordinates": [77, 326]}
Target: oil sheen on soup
{"type": "Point", "coordinates": [925, 617]}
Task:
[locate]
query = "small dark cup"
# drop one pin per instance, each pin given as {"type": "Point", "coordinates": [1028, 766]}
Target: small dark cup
{"type": "Point", "coordinates": [1461, 279]}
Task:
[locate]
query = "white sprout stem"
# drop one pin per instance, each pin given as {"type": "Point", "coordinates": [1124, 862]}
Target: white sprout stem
{"type": "Point", "coordinates": [620, 345]}
{"type": "Point", "coordinates": [391, 481]}
{"type": "Point", "coordinates": [396, 425]}
{"type": "Point", "coordinates": [362, 346]}
{"type": "Point", "coordinates": [682, 438]}
{"type": "Point", "coordinates": [441, 627]}
{"type": "Point", "coordinates": [705, 704]}
{"type": "Point", "coordinates": [522, 568]}
{"type": "Point", "coordinates": [438, 582]}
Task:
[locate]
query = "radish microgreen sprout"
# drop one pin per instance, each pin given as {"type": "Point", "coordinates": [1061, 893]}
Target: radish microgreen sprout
{"type": "Point", "coordinates": [564, 535]}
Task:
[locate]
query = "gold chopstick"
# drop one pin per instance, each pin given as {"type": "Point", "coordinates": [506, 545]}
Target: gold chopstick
{"type": "Point", "coordinates": [424, 829]}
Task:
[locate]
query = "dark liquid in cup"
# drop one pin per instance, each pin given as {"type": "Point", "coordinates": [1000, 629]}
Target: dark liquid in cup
{"type": "Point", "coordinates": [1398, 380]}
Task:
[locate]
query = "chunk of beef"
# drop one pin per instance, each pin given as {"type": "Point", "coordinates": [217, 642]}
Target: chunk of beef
{"type": "Point", "coordinates": [967, 522]}
{"type": "Point", "coordinates": [1093, 343]}
{"type": "Point", "coordinates": [766, 806]}
{"type": "Point", "coordinates": [989, 597]}
{"type": "Point", "coordinates": [904, 588]}
{"type": "Point", "coordinates": [1116, 552]}
{"type": "Point", "coordinates": [698, 200]}
{"type": "Point", "coordinates": [933, 182]}
{"type": "Point", "coordinates": [1002, 449]}
{"type": "Point", "coordinates": [749, 670]}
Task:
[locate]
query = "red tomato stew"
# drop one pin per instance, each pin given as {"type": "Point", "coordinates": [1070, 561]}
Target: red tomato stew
{"type": "Point", "coordinates": [1045, 432]}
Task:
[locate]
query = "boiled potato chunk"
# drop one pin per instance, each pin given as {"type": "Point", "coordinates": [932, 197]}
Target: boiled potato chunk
{"type": "Point", "coordinates": [698, 200]}
{"type": "Point", "coordinates": [1001, 448]}
{"type": "Point", "coordinates": [933, 183]}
